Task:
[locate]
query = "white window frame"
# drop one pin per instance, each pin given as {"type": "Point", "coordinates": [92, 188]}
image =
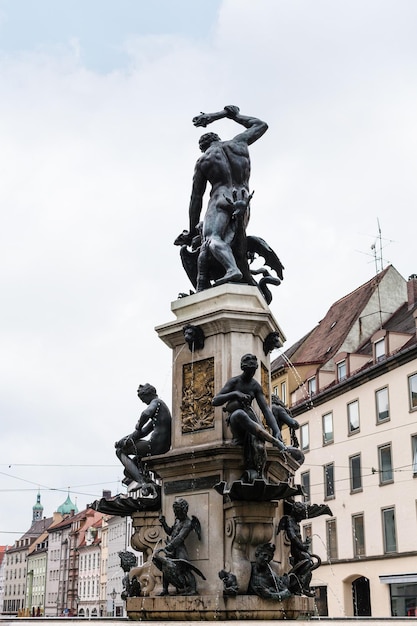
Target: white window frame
{"type": "Point", "coordinates": [388, 548]}
{"type": "Point", "coordinates": [283, 395]}
{"type": "Point", "coordinates": [305, 440]}
{"type": "Point", "coordinates": [312, 386]}
{"type": "Point", "coordinates": [380, 351]}
{"type": "Point", "coordinates": [329, 415]}
{"type": "Point", "coordinates": [383, 479]}
{"type": "Point", "coordinates": [341, 367]}
{"type": "Point", "coordinates": [359, 548]}
{"type": "Point", "coordinates": [305, 478]}
{"type": "Point", "coordinates": [351, 429]}
{"type": "Point", "coordinates": [378, 400]}
{"type": "Point", "coordinates": [329, 489]}
{"type": "Point", "coordinates": [412, 391]}
{"type": "Point", "coordinates": [414, 454]}
{"type": "Point", "coordinates": [352, 458]}
{"type": "Point", "coordinates": [331, 543]}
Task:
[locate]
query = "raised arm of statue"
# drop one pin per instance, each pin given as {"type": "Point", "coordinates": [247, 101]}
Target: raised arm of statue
{"type": "Point", "coordinates": [255, 127]}
{"type": "Point", "coordinates": [204, 119]}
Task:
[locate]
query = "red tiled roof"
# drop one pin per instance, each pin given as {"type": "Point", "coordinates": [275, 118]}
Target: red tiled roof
{"type": "Point", "coordinates": [282, 360]}
{"type": "Point", "coordinates": [326, 338]}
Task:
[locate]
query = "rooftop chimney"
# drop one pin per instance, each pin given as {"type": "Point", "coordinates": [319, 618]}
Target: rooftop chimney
{"type": "Point", "coordinates": [412, 291]}
{"type": "Point", "coordinates": [106, 494]}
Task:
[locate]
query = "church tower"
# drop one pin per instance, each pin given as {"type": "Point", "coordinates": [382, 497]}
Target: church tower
{"type": "Point", "coordinates": [37, 509]}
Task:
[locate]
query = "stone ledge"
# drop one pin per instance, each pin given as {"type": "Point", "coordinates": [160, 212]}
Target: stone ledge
{"type": "Point", "coordinates": [214, 608]}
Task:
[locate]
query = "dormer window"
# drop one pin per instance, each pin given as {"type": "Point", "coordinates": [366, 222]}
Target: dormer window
{"type": "Point", "coordinates": [341, 370]}
{"type": "Point", "coordinates": [311, 386]}
{"type": "Point", "coordinates": [379, 347]}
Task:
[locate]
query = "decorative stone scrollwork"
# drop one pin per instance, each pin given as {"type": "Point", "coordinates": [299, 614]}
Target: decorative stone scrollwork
{"type": "Point", "coordinates": [146, 538]}
{"type": "Point", "coordinates": [247, 525]}
{"type": "Point", "coordinates": [148, 577]}
{"type": "Point", "coordinates": [230, 528]}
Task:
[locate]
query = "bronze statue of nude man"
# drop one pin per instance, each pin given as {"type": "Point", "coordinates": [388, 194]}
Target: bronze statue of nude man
{"type": "Point", "coordinates": [226, 166]}
{"type": "Point", "coordinates": [152, 435]}
{"type": "Point", "coordinates": [238, 394]}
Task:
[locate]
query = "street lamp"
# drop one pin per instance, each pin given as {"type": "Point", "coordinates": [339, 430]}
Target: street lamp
{"type": "Point", "coordinates": [113, 597]}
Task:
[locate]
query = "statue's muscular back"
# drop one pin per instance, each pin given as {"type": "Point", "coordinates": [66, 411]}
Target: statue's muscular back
{"type": "Point", "coordinates": [226, 165]}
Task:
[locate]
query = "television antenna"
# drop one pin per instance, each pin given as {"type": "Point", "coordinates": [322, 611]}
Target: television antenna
{"type": "Point", "coordinates": [377, 249]}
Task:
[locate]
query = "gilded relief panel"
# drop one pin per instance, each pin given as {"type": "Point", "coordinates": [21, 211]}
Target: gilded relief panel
{"type": "Point", "coordinates": [197, 412]}
{"type": "Point", "coordinates": [265, 381]}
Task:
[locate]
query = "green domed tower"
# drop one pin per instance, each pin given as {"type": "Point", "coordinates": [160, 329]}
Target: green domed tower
{"type": "Point", "coordinates": [67, 506]}
{"type": "Point", "coordinates": [37, 509]}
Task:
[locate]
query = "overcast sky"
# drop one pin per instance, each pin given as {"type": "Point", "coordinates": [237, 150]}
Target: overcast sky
{"type": "Point", "coordinates": [97, 154]}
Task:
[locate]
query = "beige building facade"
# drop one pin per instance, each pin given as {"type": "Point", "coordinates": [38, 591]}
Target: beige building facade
{"type": "Point", "coordinates": [354, 395]}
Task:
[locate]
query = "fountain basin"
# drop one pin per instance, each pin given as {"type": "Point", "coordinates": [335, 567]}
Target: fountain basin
{"type": "Point", "coordinates": [211, 608]}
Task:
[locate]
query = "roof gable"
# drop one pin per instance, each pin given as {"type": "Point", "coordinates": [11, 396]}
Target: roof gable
{"type": "Point", "coordinates": [330, 335]}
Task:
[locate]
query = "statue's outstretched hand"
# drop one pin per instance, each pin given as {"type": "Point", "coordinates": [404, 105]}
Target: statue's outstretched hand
{"type": "Point", "coordinates": [204, 119]}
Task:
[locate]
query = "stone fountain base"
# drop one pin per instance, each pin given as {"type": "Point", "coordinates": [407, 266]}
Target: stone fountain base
{"type": "Point", "coordinates": [206, 468]}
{"type": "Point", "coordinates": [211, 608]}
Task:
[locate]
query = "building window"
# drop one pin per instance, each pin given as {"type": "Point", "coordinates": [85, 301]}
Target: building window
{"type": "Point", "coordinates": [412, 387]}
{"type": "Point", "coordinates": [321, 600]}
{"type": "Point", "coordinates": [283, 394]}
{"type": "Point", "coordinates": [355, 473]}
{"type": "Point", "coordinates": [403, 599]}
{"type": "Point", "coordinates": [358, 529]}
{"type": "Point", "coordinates": [329, 481]}
{"type": "Point", "coordinates": [331, 538]}
{"type": "Point", "coordinates": [341, 371]}
{"type": "Point", "coordinates": [305, 484]}
{"type": "Point", "coordinates": [305, 438]}
{"type": "Point", "coordinates": [353, 417]}
{"type": "Point", "coordinates": [386, 474]}
{"type": "Point", "coordinates": [311, 386]}
{"type": "Point", "coordinates": [327, 421]}
{"type": "Point", "coordinates": [414, 452]}
{"type": "Point", "coordinates": [379, 350]}
{"type": "Point", "coordinates": [388, 525]}
{"type": "Point", "coordinates": [382, 405]}
{"type": "Point", "coordinates": [308, 536]}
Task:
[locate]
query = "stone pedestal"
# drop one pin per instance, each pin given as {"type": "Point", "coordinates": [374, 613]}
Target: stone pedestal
{"type": "Point", "coordinates": [235, 320]}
